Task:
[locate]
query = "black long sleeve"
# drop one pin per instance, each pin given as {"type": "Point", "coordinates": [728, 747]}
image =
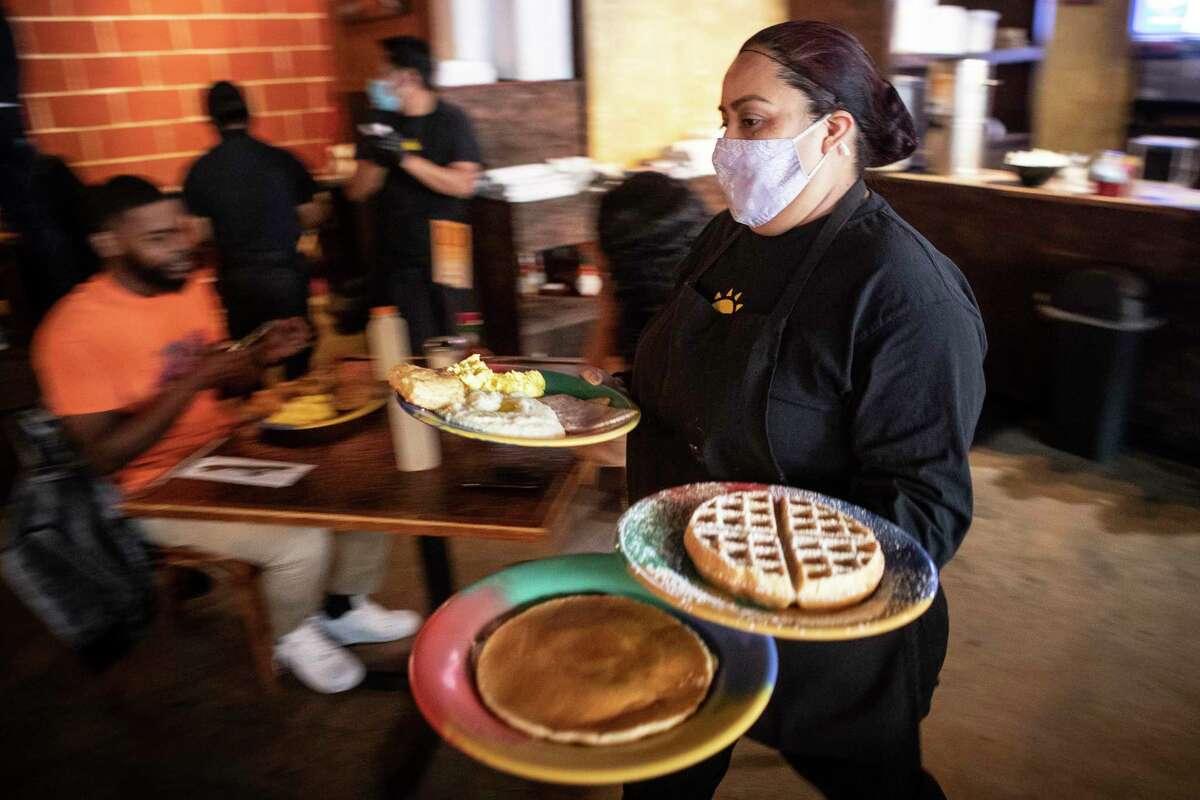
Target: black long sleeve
{"type": "Point", "coordinates": [918, 391]}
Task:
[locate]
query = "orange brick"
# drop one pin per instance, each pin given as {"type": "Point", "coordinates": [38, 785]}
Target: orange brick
{"type": "Point", "coordinates": [284, 66]}
{"type": "Point", "coordinates": [91, 145]}
{"type": "Point", "coordinates": [320, 125]}
{"type": "Point", "coordinates": [242, 6]}
{"type": "Point", "coordinates": [137, 35]}
{"type": "Point", "coordinates": [164, 139]}
{"type": "Point", "coordinates": [251, 66]}
{"type": "Point", "coordinates": [129, 142]}
{"type": "Point", "coordinates": [118, 108]}
{"type": "Point", "coordinates": [246, 33]}
{"type": "Point", "coordinates": [314, 31]}
{"type": "Point", "coordinates": [59, 144]}
{"type": "Point", "coordinates": [312, 63]}
{"type": "Point", "coordinates": [213, 34]}
{"type": "Point", "coordinates": [43, 75]}
{"type": "Point", "coordinates": [39, 112]}
{"type": "Point", "coordinates": [116, 71]}
{"type": "Point", "coordinates": [111, 8]}
{"type": "Point", "coordinates": [65, 37]}
{"type": "Point", "coordinates": [279, 32]}
{"type": "Point", "coordinates": [193, 102]}
{"type": "Point", "coordinates": [146, 106]}
{"type": "Point", "coordinates": [286, 96]}
{"type": "Point", "coordinates": [170, 172]}
{"type": "Point", "coordinates": [190, 136]}
{"type": "Point", "coordinates": [170, 6]}
{"type": "Point", "coordinates": [184, 69]}
{"type": "Point", "coordinates": [273, 129]}
{"type": "Point", "coordinates": [73, 111]}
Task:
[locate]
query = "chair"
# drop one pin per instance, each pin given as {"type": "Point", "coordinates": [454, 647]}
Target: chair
{"type": "Point", "coordinates": [243, 579]}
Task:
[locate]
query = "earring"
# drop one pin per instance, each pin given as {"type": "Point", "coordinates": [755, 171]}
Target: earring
{"type": "Point", "coordinates": [843, 149]}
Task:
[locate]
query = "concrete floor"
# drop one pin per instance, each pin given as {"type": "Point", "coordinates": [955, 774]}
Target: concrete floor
{"type": "Point", "coordinates": [1072, 669]}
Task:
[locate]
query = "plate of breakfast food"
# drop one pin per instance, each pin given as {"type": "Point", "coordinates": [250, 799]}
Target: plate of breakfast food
{"type": "Point", "coordinates": [777, 560]}
{"type": "Point", "coordinates": [566, 670]}
{"type": "Point", "coordinates": [317, 406]}
{"type": "Point", "coordinates": [500, 400]}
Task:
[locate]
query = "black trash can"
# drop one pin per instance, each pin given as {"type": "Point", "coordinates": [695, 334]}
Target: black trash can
{"type": "Point", "coordinates": [1100, 317]}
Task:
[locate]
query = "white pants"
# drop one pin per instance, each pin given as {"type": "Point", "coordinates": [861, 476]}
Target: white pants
{"type": "Point", "coordinates": [299, 565]}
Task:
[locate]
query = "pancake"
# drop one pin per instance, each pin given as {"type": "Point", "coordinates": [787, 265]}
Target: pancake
{"type": "Point", "coordinates": [593, 669]}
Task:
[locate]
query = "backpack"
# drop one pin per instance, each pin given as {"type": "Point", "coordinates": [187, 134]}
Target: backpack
{"type": "Point", "coordinates": [81, 566]}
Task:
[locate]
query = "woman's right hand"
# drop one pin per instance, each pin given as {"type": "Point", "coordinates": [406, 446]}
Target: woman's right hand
{"type": "Point", "coordinates": [598, 377]}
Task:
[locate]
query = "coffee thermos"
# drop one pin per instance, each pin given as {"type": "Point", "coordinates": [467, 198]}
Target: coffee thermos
{"type": "Point", "coordinates": [415, 444]}
{"type": "Point", "coordinates": [958, 95]}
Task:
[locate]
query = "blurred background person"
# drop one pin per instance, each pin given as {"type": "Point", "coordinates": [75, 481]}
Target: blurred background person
{"type": "Point", "coordinates": [644, 228]}
{"type": "Point", "coordinates": [418, 158]}
{"type": "Point", "coordinates": [257, 200]}
{"type": "Point", "coordinates": [34, 191]}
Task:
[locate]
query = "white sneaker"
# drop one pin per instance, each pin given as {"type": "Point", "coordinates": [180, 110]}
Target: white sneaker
{"type": "Point", "coordinates": [317, 661]}
{"type": "Point", "coordinates": [367, 622]}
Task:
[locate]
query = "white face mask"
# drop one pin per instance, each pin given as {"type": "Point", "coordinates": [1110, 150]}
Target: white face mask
{"type": "Point", "coordinates": [761, 177]}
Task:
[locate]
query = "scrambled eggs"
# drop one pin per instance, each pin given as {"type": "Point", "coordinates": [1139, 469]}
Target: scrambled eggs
{"type": "Point", "coordinates": [305, 410]}
{"type": "Point", "coordinates": [479, 377]}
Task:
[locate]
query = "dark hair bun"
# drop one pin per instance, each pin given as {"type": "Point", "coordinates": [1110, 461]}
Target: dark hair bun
{"type": "Point", "coordinates": [894, 136]}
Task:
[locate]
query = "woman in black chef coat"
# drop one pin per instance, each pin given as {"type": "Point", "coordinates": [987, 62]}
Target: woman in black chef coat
{"type": "Point", "coordinates": [817, 340]}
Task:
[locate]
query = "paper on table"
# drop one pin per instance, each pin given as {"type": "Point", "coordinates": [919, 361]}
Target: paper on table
{"type": "Point", "coordinates": [245, 471]}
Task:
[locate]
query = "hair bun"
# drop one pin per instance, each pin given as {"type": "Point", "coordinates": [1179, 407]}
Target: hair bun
{"type": "Point", "coordinates": [895, 137]}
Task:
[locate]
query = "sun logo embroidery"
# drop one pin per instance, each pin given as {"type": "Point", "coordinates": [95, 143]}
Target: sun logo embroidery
{"type": "Point", "coordinates": [727, 303]}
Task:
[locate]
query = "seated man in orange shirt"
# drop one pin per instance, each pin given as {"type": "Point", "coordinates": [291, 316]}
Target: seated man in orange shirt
{"type": "Point", "coordinates": [130, 361]}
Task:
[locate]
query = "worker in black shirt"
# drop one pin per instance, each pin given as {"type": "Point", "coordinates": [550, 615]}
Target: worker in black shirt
{"type": "Point", "coordinates": [418, 159]}
{"type": "Point", "coordinates": [257, 199]}
{"type": "Point", "coordinates": [816, 340]}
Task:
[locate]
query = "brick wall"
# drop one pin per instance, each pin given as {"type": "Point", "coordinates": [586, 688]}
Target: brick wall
{"type": "Point", "coordinates": [117, 86]}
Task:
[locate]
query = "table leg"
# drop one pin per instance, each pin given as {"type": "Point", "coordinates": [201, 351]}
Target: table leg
{"type": "Point", "coordinates": [439, 578]}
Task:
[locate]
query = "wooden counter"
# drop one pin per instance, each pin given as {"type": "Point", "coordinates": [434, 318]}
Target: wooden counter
{"type": "Point", "coordinates": [1013, 242]}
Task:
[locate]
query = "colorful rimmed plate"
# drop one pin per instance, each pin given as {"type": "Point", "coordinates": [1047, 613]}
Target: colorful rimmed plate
{"type": "Point", "coordinates": [650, 536]}
{"type": "Point", "coordinates": [440, 674]}
{"type": "Point", "coordinates": [556, 383]}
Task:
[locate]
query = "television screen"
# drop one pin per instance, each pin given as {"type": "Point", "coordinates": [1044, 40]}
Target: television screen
{"type": "Point", "coordinates": [1165, 19]}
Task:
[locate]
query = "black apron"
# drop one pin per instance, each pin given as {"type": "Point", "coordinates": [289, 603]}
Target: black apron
{"type": "Point", "coordinates": [703, 381]}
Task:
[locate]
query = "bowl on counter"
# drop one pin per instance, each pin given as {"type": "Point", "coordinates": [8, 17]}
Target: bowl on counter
{"type": "Point", "coordinates": [1035, 167]}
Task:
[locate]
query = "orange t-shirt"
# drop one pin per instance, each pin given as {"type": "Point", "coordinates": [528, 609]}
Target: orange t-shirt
{"type": "Point", "coordinates": [105, 348]}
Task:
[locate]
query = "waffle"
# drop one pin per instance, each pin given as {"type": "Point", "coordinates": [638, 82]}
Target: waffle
{"type": "Point", "coordinates": [783, 552]}
{"type": "Point", "coordinates": [734, 541]}
{"type": "Point", "coordinates": [834, 559]}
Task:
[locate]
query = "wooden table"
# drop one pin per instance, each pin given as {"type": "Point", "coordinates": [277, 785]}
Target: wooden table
{"type": "Point", "coordinates": [357, 487]}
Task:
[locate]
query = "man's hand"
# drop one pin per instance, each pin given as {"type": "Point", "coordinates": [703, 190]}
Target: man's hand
{"type": "Point", "coordinates": [219, 368]}
{"type": "Point", "coordinates": [286, 338]}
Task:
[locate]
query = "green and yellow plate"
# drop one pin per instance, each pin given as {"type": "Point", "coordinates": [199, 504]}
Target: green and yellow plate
{"type": "Point", "coordinates": [556, 383]}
